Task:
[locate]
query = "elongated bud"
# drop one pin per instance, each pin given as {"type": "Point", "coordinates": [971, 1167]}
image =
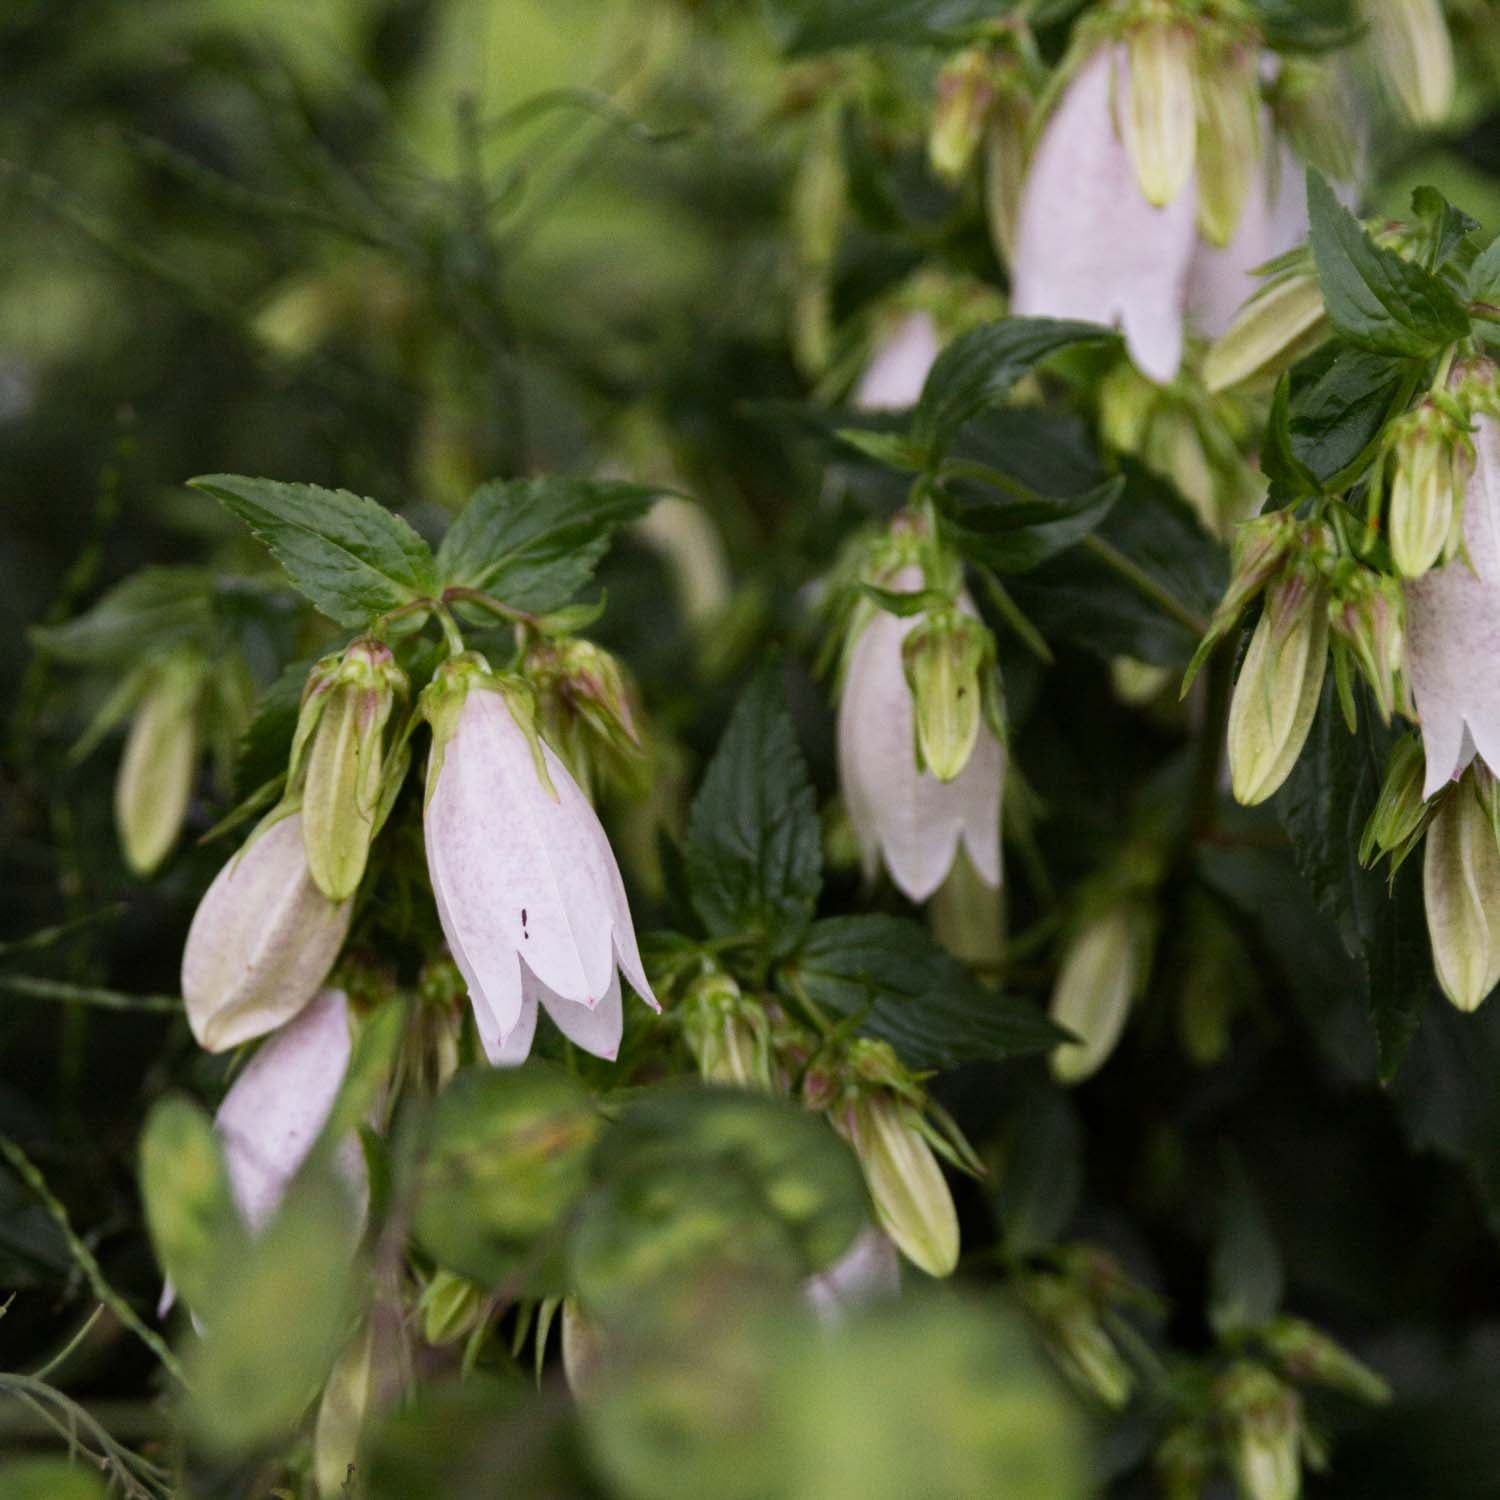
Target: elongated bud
{"type": "Point", "coordinates": [818, 206]}
{"type": "Point", "coordinates": [155, 778]}
{"type": "Point", "coordinates": [1400, 814]}
{"type": "Point", "coordinates": [1102, 971]}
{"type": "Point", "coordinates": [1075, 1335]}
{"type": "Point", "coordinates": [911, 1196]}
{"type": "Point", "coordinates": [728, 1035]}
{"type": "Point", "coordinates": [586, 706]}
{"type": "Point", "coordinates": [1414, 53]}
{"type": "Point", "coordinates": [965, 94]}
{"type": "Point", "coordinates": [1283, 321]}
{"type": "Point", "coordinates": [1263, 1416]}
{"type": "Point", "coordinates": [1430, 459]}
{"type": "Point", "coordinates": [583, 1349]}
{"type": "Point", "coordinates": [1005, 171]}
{"type": "Point", "coordinates": [1461, 887]}
{"type": "Point", "coordinates": [944, 658]}
{"type": "Point", "coordinates": [345, 713]}
{"type": "Point", "coordinates": [1276, 695]}
{"type": "Point", "coordinates": [1306, 1353]}
{"type": "Point", "coordinates": [1229, 146]}
{"type": "Point", "coordinates": [341, 1415]}
{"type": "Point", "coordinates": [451, 1306]}
{"type": "Point", "coordinates": [1160, 126]}
{"type": "Point", "coordinates": [1367, 615]}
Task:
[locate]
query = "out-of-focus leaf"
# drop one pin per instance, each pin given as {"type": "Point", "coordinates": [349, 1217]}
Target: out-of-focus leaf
{"type": "Point", "coordinates": [353, 558]}
{"type": "Point", "coordinates": [823, 25]}
{"type": "Point", "coordinates": [1041, 1171]}
{"type": "Point", "coordinates": [1014, 536]}
{"type": "Point", "coordinates": [1246, 1271]}
{"type": "Point", "coordinates": [506, 1159]}
{"type": "Point", "coordinates": [150, 611]}
{"type": "Point", "coordinates": [911, 993]}
{"type": "Point", "coordinates": [754, 852]}
{"type": "Point", "coordinates": [49, 1479]}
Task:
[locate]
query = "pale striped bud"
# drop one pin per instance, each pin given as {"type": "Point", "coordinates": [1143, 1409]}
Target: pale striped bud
{"type": "Point", "coordinates": [1413, 53]}
{"type": "Point", "coordinates": [1160, 118]}
{"type": "Point", "coordinates": [1461, 888]}
{"type": "Point", "coordinates": [1103, 969]}
{"type": "Point", "coordinates": [155, 779]}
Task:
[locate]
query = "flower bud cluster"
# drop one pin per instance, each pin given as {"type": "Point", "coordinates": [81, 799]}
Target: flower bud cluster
{"type": "Point", "coordinates": [728, 1033]}
{"type": "Point", "coordinates": [1427, 463]}
{"type": "Point", "coordinates": [587, 708]}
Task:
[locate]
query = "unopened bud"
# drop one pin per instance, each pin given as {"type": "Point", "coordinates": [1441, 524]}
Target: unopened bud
{"type": "Point", "coordinates": [1283, 321]}
{"type": "Point", "coordinates": [965, 93]}
{"type": "Point", "coordinates": [1306, 1353]}
{"type": "Point", "coordinates": [1400, 813]}
{"type": "Point", "coordinates": [1413, 52]}
{"type": "Point", "coordinates": [585, 702]}
{"type": "Point", "coordinates": [1005, 171]}
{"type": "Point", "coordinates": [1071, 1326]}
{"type": "Point", "coordinates": [1276, 696]}
{"type": "Point", "coordinates": [345, 711]}
{"type": "Point", "coordinates": [1160, 125]}
{"type": "Point", "coordinates": [910, 1193]}
{"type": "Point", "coordinates": [1264, 1418]}
{"type": "Point", "coordinates": [728, 1035]}
{"type": "Point", "coordinates": [583, 1349]}
{"type": "Point", "coordinates": [945, 658]}
{"type": "Point", "coordinates": [1461, 888]}
{"type": "Point", "coordinates": [1229, 147]}
{"type": "Point", "coordinates": [341, 1415]}
{"type": "Point", "coordinates": [450, 1306]}
{"type": "Point", "coordinates": [155, 778]}
{"type": "Point", "coordinates": [1102, 971]}
{"type": "Point", "coordinates": [1430, 456]}
{"type": "Point", "coordinates": [1367, 616]}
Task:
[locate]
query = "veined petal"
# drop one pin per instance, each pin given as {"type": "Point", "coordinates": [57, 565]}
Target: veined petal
{"type": "Point", "coordinates": [278, 1106]}
{"type": "Point", "coordinates": [893, 379]}
{"type": "Point", "coordinates": [1088, 244]}
{"type": "Point", "coordinates": [514, 1048]}
{"type": "Point", "coordinates": [261, 942]}
{"type": "Point", "coordinates": [596, 1028]}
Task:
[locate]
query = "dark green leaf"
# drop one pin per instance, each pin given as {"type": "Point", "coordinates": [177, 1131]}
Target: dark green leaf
{"type": "Point", "coordinates": [1340, 400]}
{"type": "Point", "coordinates": [1447, 225]}
{"type": "Point", "coordinates": [1308, 25]}
{"type": "Point", "coordinates": [1014, 536]}
{"type": "Point", "coordinates": [754, 852]}
{"type": "Point", "coordinates": [533, 543]}
{"type": "Point", "coordinates": [893, 449]}
{"type": "Point", "coordinates": [149, 612]}
{"type": "Point", "coordinates": [1377, 300]}
{"type": "Point", "coordinates": [352, 557]}
{"type": "Point", "coordinates": [911, 993]}
{"type": "Point", "coordinates": [1484, 277]}
{"type": "Point", "coordinates": [268, 740]}
{"type": "Point", "coordinates": [1041, 1177]}
{"type": "Point", "coordinates": [822, 25]}
{"type": "Point", "coordinates": [979, 368]}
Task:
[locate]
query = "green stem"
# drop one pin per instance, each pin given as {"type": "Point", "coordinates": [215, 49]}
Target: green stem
{"type": "Point", "coordinates": [451, 633]}
{"type": "Point", "coordinates": [1144, 584]}
{"type": "Point", "coordinates": [477, 597]}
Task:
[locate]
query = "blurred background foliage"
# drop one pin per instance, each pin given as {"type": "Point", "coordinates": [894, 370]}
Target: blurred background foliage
{"type": "Point", "coordinates": [402, 246]}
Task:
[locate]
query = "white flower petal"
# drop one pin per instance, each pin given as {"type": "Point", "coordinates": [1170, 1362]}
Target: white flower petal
{"type": "Point", "coordinates": [596, 1029]}
{"type": "Point", "coordinates": [277, 1107]}
{"type": "Point", "coordinates": [1088, 244]}
{"type": "Point", "coordinates": [869, 1270]}
{"type": "Point", "coordinates": [893, 379]}
{"type": "Point", "coordinates": [261, 942]}
{"type": "Point", "coordinates": [513, 1049]}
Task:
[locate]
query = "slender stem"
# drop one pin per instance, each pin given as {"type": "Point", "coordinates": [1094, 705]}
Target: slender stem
{"type": "Point", "coordinates": [460, 595]}
{"type": "Point", "coordinates": [451, 633]}
{"type": "Point", "coordinates": [1144, 584]}
{"type": "Point", "coordinates": [81, 994]}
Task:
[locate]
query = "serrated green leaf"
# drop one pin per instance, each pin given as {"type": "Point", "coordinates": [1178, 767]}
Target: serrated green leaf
{"type": "Point", "coordinates": [533, 543]}
{"type": "Point", "coordinates": [149, 612]}
{"type": "Point", "coordinates": [353, 558]}
{"type": "Point", "coordinates": [911, 993]}
{"type": "Point", "coordinates": [979, 368]}
{"type": "Point", "coordinates": [1376, 300]}
{"type": "Point", "coordinates": [1015, 536]}
{"type": "Point", "coordinates": [754, 852]}
{"type": "Point", "coordinates": [1339, 402]}
{"type": "Point", "coordinates": [1448, 225]}
{"type": "Point", "coordinates": [190, 1210]}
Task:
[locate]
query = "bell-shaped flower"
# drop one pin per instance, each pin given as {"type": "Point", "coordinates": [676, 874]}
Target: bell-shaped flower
{"type": "Point", "coordinates": [868, 1271]}
{"type": "Point", "coordinates": [261, 942]}
{"type": "Point", "coordinates": [1453, 631]}
{"type": "Point", "coordinates": [903, 816]}
{"type": "Point", "coordinates": [1089, 245]}
{"type": "Point", "coordinates": [527, 888]}
{"type": "Point", "coordinates": [894, 377]}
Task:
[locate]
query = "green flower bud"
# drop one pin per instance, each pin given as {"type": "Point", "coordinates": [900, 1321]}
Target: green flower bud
{"type": "Point", "coordinates": [451, 1306]}
{"type": "Point", "coordinates": [1263, 1416]}
{"type": "Point", "coordinates": [1414, 55]}
{"type": "Point", "coordinates": [1367, 617]}
{"type": "Point", "coordinates": [1400, 814]}
{"type": "Point", "coordinates": [1229, 146]}
{"type": "Point", "coordinates": [586, 706]}
{"type": "Point", "coordinates": [1283, 321]}
{"type": "Point", "coordinates": [1005, 170]}
{"type": "Point", "coordinates": [728, 1035]}
{"type": "Point", "coordinates": [1277, 693]}
{"type": "Point", "coordinates": [1461, 887]}
{"type": "Point", "coordinates": [1306, 1353]}
{"type": "Point", "coordinates": [910, 1193]}
{"type": "Point", "coordinates": [346, 708]}
{"type": "Point", "coordinates": [945, 658]}
{"type": "Point", "coordinates": [1160, 127]}
{"type": "Point", "coordinates": [965, 93]}
{"type": "Point", "coordinates": [1103, 970]}
{"type": "Point", "coordinates": [155, 778]}
{"type": "Point", "coordinates": [1070, 1324]}
{"type": "Point", "coordinates": [1430, 457]}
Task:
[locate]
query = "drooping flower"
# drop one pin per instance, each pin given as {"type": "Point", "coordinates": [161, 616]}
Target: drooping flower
{"type": "Point", "coordinates": [527, 888]}
{"type": "Point", "coordinates": [868, 1271]}
{"type": "Point", "coordinates": [1453, 630]}
{"type": "Point", "coordinates": [1089, 245]}
{"type": "Point", "coordinates": [261, 942]}
{"type": "Point", "coordinates": [893, 379]}
{"type": "Point", "coordinates": [902, 816]}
